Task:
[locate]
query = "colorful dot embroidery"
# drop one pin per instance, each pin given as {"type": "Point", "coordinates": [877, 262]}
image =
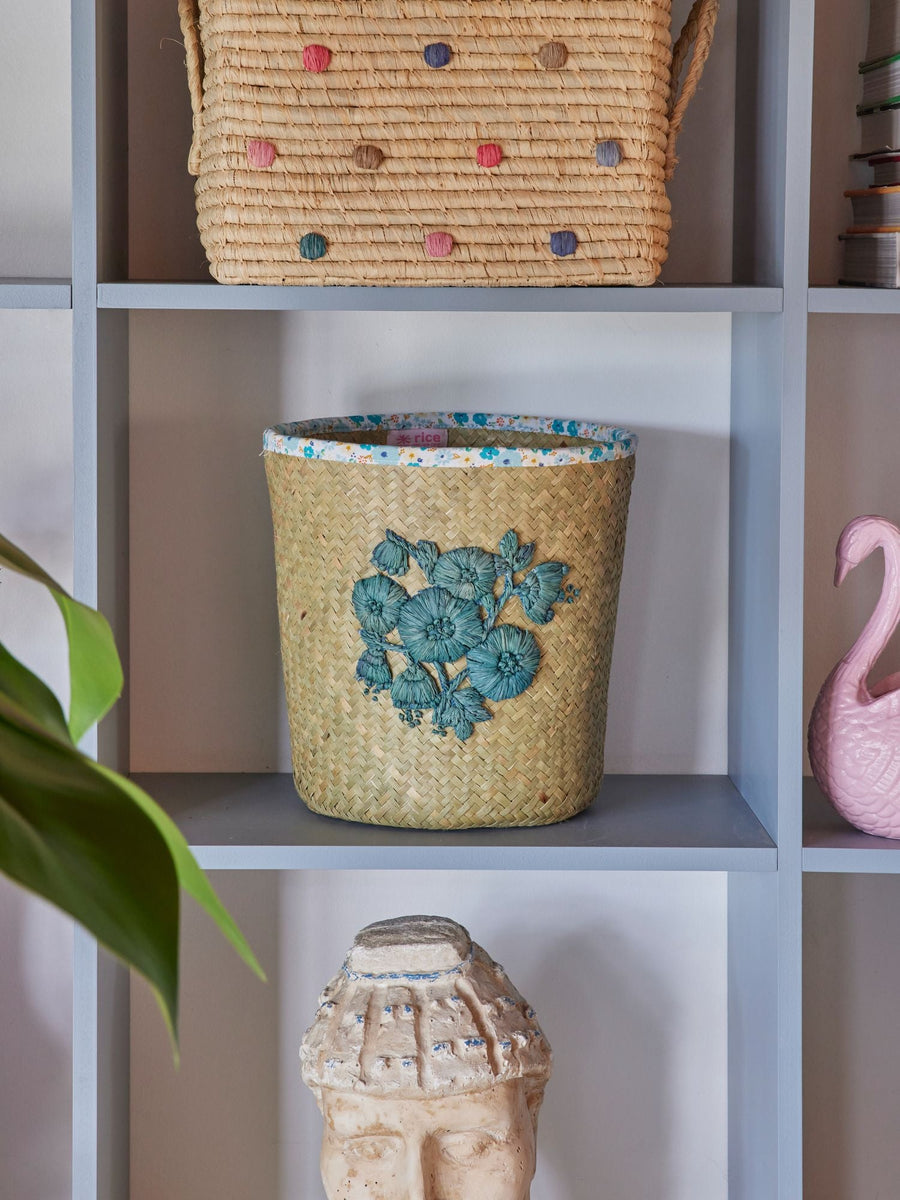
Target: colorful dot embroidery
{"type": "Point", "coordinates": [260, 154]}
{"type": "Point", "coordinates": [368, 158]}
{"type": "Point", "coordinates": [552, 55]}
{"type": "Point", "coordinates": [489, 155]}
{"type": "Point", "coordinates": [438, 245]}
{"type": "Point", "coordinates": [563, 242]}
{"type": "Point", "coordinates": [608, 154]}
{"type": "Point", "coordinates": [312, 246]}
{"type": "Point", "coordinates": [437, 54]}
{"type": "Point", "coordinates": [316, 58]}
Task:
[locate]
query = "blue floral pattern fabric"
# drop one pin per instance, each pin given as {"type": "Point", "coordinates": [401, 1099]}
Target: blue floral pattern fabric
{"type": "Point", "coordinates": [455, 652]}
{"type": "Point", "coordinates": [319, 439]}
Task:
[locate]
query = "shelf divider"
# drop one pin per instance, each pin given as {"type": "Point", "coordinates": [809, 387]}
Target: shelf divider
{"type": "Point", "coordinates": [35, 293]}
{"type": "Point", "coordinates": [659, 298]}
{"type": "Point", "coordinates": [854, 300]}
{"type": "Point", "coordinates": [638, 822]}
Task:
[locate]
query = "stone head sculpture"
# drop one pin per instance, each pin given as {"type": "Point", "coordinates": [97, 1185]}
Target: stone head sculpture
{"type": "Point", "coordinates": [428, 1067]}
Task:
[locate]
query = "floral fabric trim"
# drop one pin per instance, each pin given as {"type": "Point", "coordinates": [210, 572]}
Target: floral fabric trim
{"type": "Point", "coordinates": [299, 440]}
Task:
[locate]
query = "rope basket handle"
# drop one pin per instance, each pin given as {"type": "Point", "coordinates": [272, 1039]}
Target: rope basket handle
{"type": "Point", "coordinates": [189, 15]}
{"type": "Point", "coordinates": [696, 36]}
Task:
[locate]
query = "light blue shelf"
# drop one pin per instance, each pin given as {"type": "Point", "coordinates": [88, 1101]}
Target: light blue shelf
{"type": "Point", "coordinates": [854, 300]}
{"type": "Point", "coordinates": [637, 823]}
{"type": "Point", "coordinates": [440, 299]}
{"type": "Point", "coordinates": [831, 844]}
{"type": "Point", "coordinates": [35, 293]}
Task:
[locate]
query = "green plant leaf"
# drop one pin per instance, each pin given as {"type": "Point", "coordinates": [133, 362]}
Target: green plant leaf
{"type": "Point", "coordinates": [32, 695]}
{"type": "Point", "coordinates": [190, 875]}
{"type": "Point", "coordinates": [73, 835]}
{"type": "Point", "coordinates": [94, 669]}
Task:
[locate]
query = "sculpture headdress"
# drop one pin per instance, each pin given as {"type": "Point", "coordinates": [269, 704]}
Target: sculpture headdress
{"type": "Point", "coordinates": [418, 1008]}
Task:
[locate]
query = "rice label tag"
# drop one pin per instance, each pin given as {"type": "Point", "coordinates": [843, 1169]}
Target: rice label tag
{"type": "Point", "coordinates": [417, 437]}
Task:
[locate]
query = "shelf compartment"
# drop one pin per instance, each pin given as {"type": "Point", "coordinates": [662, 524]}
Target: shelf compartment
{"type": "Point", "coordinates": [832, 844]}
{"type": "Point", "coordinates": [450, 299]}
{"type": "Point", "coordinates": [854, 300]}
{"type": "Point", "coordinates": [638, 823]}
{"type": "Point", "coordinates": [35, 293]}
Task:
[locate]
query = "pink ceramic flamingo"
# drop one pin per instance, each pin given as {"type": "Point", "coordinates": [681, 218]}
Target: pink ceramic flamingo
{"type": "Point", "coordinates": [854, 730]}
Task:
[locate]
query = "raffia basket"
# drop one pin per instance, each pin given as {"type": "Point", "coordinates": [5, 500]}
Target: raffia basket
{"type": "Point", "coordinates": [447, 613]}
{"type": "Point", "coordinates": [437, 141]}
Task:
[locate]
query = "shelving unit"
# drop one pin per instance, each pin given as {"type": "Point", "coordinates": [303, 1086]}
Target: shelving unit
{"type": "Point", "coordinates": [35, 293]}
{"type": "Point", "coordinates": [748, 823]}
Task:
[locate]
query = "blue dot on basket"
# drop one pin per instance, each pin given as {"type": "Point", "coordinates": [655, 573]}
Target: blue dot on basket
{"type": "Point", "coordinates": [563, 242]}
{"type": "Point", "coordinates": [312, 246]}
{"type": "Point", "coordinates": [437, 54]}
{"type": "Point", "coordinates": [608, 154]}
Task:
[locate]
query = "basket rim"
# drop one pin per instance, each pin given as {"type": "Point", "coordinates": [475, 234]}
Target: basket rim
{"type": "Point", "coordinates": [298, 439]}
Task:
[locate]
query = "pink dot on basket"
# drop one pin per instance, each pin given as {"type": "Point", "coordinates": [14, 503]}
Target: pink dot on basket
{"type": "Point", "coordinates": [438, 245]}
{"type": "Point", "coordinates": [489, 155]}
{"type": "Point", "coordinates": [260, 154]}
{"type": "Point", "coordinates": [316, 58]}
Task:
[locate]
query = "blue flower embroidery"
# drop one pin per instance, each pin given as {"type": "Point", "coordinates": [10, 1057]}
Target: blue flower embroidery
{"type": "Point", "coordinates": [461, 418]}
{"type": "Point", "coordinates": [373, 670]}
{"type": "Point", "coordinates": [468, 572]}
{"type": "Point", "coordinates": [479, 418]}
{"type": "Point", "coordinates": [572, 428]}
{"type": "Point", "coordinates": [540, 590]}
{"type": "Point", "coordinates": [308, 452]}
{"type": "Point", "coordinates": [557, 427]}
{"type": "Point", "coordinates": [414, 689]}
{"type": "Point", "coordinates": [378, 602]}
{"type": "Point", "coordinates": [438, 627]}
{"type": "Point", "coordinates": [505, 663]}
{"type": "Point", "coordinates": [455, 618]}
{"type": "Point", "coordinates": [390, 557]}
{"type": "Point", "coordinates": [489, 452]}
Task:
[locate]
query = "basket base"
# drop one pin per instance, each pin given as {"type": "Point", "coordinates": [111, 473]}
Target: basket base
{"type": "Point", "coordinates": [403, 819]}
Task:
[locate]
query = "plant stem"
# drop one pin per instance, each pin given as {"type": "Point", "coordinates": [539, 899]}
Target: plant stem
{"type": "Point", "coordinates": [508, 587]}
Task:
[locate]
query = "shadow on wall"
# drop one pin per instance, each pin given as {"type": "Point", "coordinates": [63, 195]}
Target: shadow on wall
{"type": "Point", "coordinates": [206, 689]}
{"type": "Point", "coordinates": [612, 1141]}
{"type": "Point", "coordinates": [851, 979]}
{"type": "Point", "coordinates": [35, 1048]}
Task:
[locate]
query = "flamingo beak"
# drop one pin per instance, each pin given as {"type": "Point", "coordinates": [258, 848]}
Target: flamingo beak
{"type": "Point", "coordinates": [842, 569]}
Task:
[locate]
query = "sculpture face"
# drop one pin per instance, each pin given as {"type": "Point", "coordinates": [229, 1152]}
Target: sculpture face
{"type": "Point", "coordinates": [476, 1146]}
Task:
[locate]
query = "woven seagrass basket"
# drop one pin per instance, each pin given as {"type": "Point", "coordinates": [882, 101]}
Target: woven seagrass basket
{"type": "Point", "coordinates": [447, 612]}
{"type": "Point", "coordinates": [437, 141]}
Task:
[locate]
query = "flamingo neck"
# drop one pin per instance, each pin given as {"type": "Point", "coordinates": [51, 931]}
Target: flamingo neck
{"type": "Point", "coordinates": [883, 621]}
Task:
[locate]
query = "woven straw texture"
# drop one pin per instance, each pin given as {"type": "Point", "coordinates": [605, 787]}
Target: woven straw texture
{"type": "Point", "coordinates": [540, 759]}
{"type": "Point", "coordinates": [327, 150]}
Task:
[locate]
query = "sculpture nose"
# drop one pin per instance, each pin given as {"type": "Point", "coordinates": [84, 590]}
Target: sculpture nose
{"type": "Point", "coordinates": [417, 1182]}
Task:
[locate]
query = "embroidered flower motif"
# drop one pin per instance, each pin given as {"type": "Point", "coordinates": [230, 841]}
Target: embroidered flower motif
{"type": "Point", "coordinates": [541, 589]}
{"type": "Point", "coordinates": [414, 689]}
{"type": "Point", "coordinates": [378, 602]}
{"type": "Point", "coordinates": [373, 670]}
{"type": "Point", "coordinates": [468, 572]}
{"type": "Point", "coordinates": [489, 452]}
{"type": "Point", "coordinates": [390, 557]}
{"type": "Point", "coordinates": [453, 618]}
{"type": "Point", "coordinates": [505, 663]}
{"type": "Point", "coordinates": [438, 627]}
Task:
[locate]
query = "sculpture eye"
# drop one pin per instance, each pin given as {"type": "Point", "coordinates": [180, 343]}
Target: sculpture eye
{"type": "Point", "coordinates": [471, 1144]}
{"type": "Point", "coordinates": [371, 1147]}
